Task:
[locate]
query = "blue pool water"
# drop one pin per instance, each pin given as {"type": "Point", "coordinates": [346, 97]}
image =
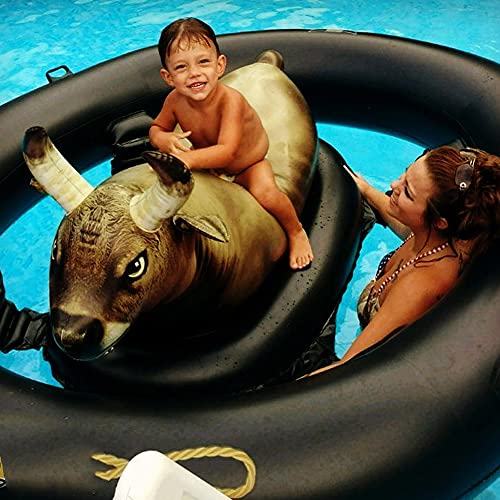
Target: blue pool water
{"type": "Point", "coordinates": [39, 35]}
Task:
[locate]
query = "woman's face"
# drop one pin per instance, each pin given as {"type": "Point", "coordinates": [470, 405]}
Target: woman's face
{"type": "Point", "coordinates": [410, 193]}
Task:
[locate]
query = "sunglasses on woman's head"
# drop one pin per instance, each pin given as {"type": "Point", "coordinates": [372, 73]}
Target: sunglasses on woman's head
{"type": "Point", "coordinates": [464, 172]}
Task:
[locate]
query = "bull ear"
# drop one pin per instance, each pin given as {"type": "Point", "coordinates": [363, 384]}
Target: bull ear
{"type": "Point", "coordinates": [210, 226]}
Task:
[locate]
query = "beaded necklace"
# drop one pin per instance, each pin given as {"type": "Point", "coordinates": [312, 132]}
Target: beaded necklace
{"type": "Point", "coordinates": [387, 280]}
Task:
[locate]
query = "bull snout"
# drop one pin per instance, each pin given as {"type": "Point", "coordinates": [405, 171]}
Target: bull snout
{"type": "Point", "coordinates": [80, 337]}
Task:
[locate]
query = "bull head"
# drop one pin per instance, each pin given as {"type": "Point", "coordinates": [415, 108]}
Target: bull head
{"type": "Point", "coordinates": [127, 216]}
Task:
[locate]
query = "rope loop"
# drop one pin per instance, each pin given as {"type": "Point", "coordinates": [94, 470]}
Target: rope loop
{"type": "Point", "coordinates": [119, 464]}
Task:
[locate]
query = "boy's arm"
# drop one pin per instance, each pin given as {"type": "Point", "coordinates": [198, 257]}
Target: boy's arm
{"type": "Point", "coordinates": [161, 132]}
{"type": "Point", "coordinates": [227, 149]}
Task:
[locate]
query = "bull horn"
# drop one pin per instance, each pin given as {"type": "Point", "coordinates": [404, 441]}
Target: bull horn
{"type": "Point", "coordinates": [52, 171]}
{"type": "Point", "coordinates": [166, 196]}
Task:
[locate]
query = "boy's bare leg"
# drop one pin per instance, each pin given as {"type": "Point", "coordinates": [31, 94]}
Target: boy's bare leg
{"type": "Point", "coordinates": [259, 180]}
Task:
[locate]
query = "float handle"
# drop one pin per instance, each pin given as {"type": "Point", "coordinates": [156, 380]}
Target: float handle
{"type": "Point", "coordinates": [52, 77]}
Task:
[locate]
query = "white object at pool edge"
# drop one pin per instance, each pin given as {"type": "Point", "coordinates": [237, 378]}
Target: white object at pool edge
{"type": "Point", "coordinates": [150, 475]}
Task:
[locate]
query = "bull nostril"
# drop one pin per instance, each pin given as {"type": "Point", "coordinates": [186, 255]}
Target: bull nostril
{"type": "Point", "coordinates": [65, 338]}
{"type": "Point", "coordinates": [94, 333]}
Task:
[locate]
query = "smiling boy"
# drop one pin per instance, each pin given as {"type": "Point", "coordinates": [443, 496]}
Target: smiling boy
{"type": "Point", "coordinates": [227, 135]}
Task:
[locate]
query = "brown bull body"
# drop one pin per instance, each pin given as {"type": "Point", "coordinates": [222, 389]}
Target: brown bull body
{"type": "Point", "coordinates": [213, 249]}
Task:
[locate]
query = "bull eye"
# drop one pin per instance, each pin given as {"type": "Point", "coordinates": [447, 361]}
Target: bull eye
{"type": "Point", "coordinates": [137, 267]}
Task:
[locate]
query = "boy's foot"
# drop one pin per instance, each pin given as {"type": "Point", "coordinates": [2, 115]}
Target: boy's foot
{"type": "Point", "coordinates": [301, 254]}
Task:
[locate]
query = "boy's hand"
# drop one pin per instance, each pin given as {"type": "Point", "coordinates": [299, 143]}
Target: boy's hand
{"type": "Point", "coordinates": [172, 142]}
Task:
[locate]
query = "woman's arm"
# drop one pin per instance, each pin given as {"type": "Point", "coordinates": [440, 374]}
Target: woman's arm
{"type": "Point", "coordinates": [409, 298]}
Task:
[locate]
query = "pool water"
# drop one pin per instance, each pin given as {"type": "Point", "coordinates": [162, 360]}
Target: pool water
{"type": "Point", "coordinates": [40, 35]}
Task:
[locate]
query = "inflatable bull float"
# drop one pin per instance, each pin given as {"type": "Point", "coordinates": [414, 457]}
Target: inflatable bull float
{"type": "Point", "coordinates": [162, 242]}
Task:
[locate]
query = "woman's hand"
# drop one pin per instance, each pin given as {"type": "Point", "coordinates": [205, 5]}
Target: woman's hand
{"type": "Point", "coordinates": [320, 370]}
{"type": "Point", "coordinates": [380, 202]}
{"type": "Point", "coordinates": [360, 181]}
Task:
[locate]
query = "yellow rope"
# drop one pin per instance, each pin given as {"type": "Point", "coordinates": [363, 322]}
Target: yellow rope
{"type": "Point", "coordinates": [119, 464]}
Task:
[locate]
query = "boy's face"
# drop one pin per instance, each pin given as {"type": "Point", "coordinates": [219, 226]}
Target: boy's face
{"type": "Point", "coordinates": [193, 68]}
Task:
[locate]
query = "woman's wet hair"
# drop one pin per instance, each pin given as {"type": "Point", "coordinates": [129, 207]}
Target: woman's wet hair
{"type": "Point", "coordinates": [467, 193]}
{"type": "Point", "coordinates": [189, 30]}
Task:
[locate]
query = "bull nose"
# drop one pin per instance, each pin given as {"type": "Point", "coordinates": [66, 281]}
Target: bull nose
{"type": "Point", "coordinates": [79, 336]}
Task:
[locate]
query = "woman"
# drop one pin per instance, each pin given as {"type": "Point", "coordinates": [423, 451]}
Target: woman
{"type": "Point", "coordinates": [446, 207]}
